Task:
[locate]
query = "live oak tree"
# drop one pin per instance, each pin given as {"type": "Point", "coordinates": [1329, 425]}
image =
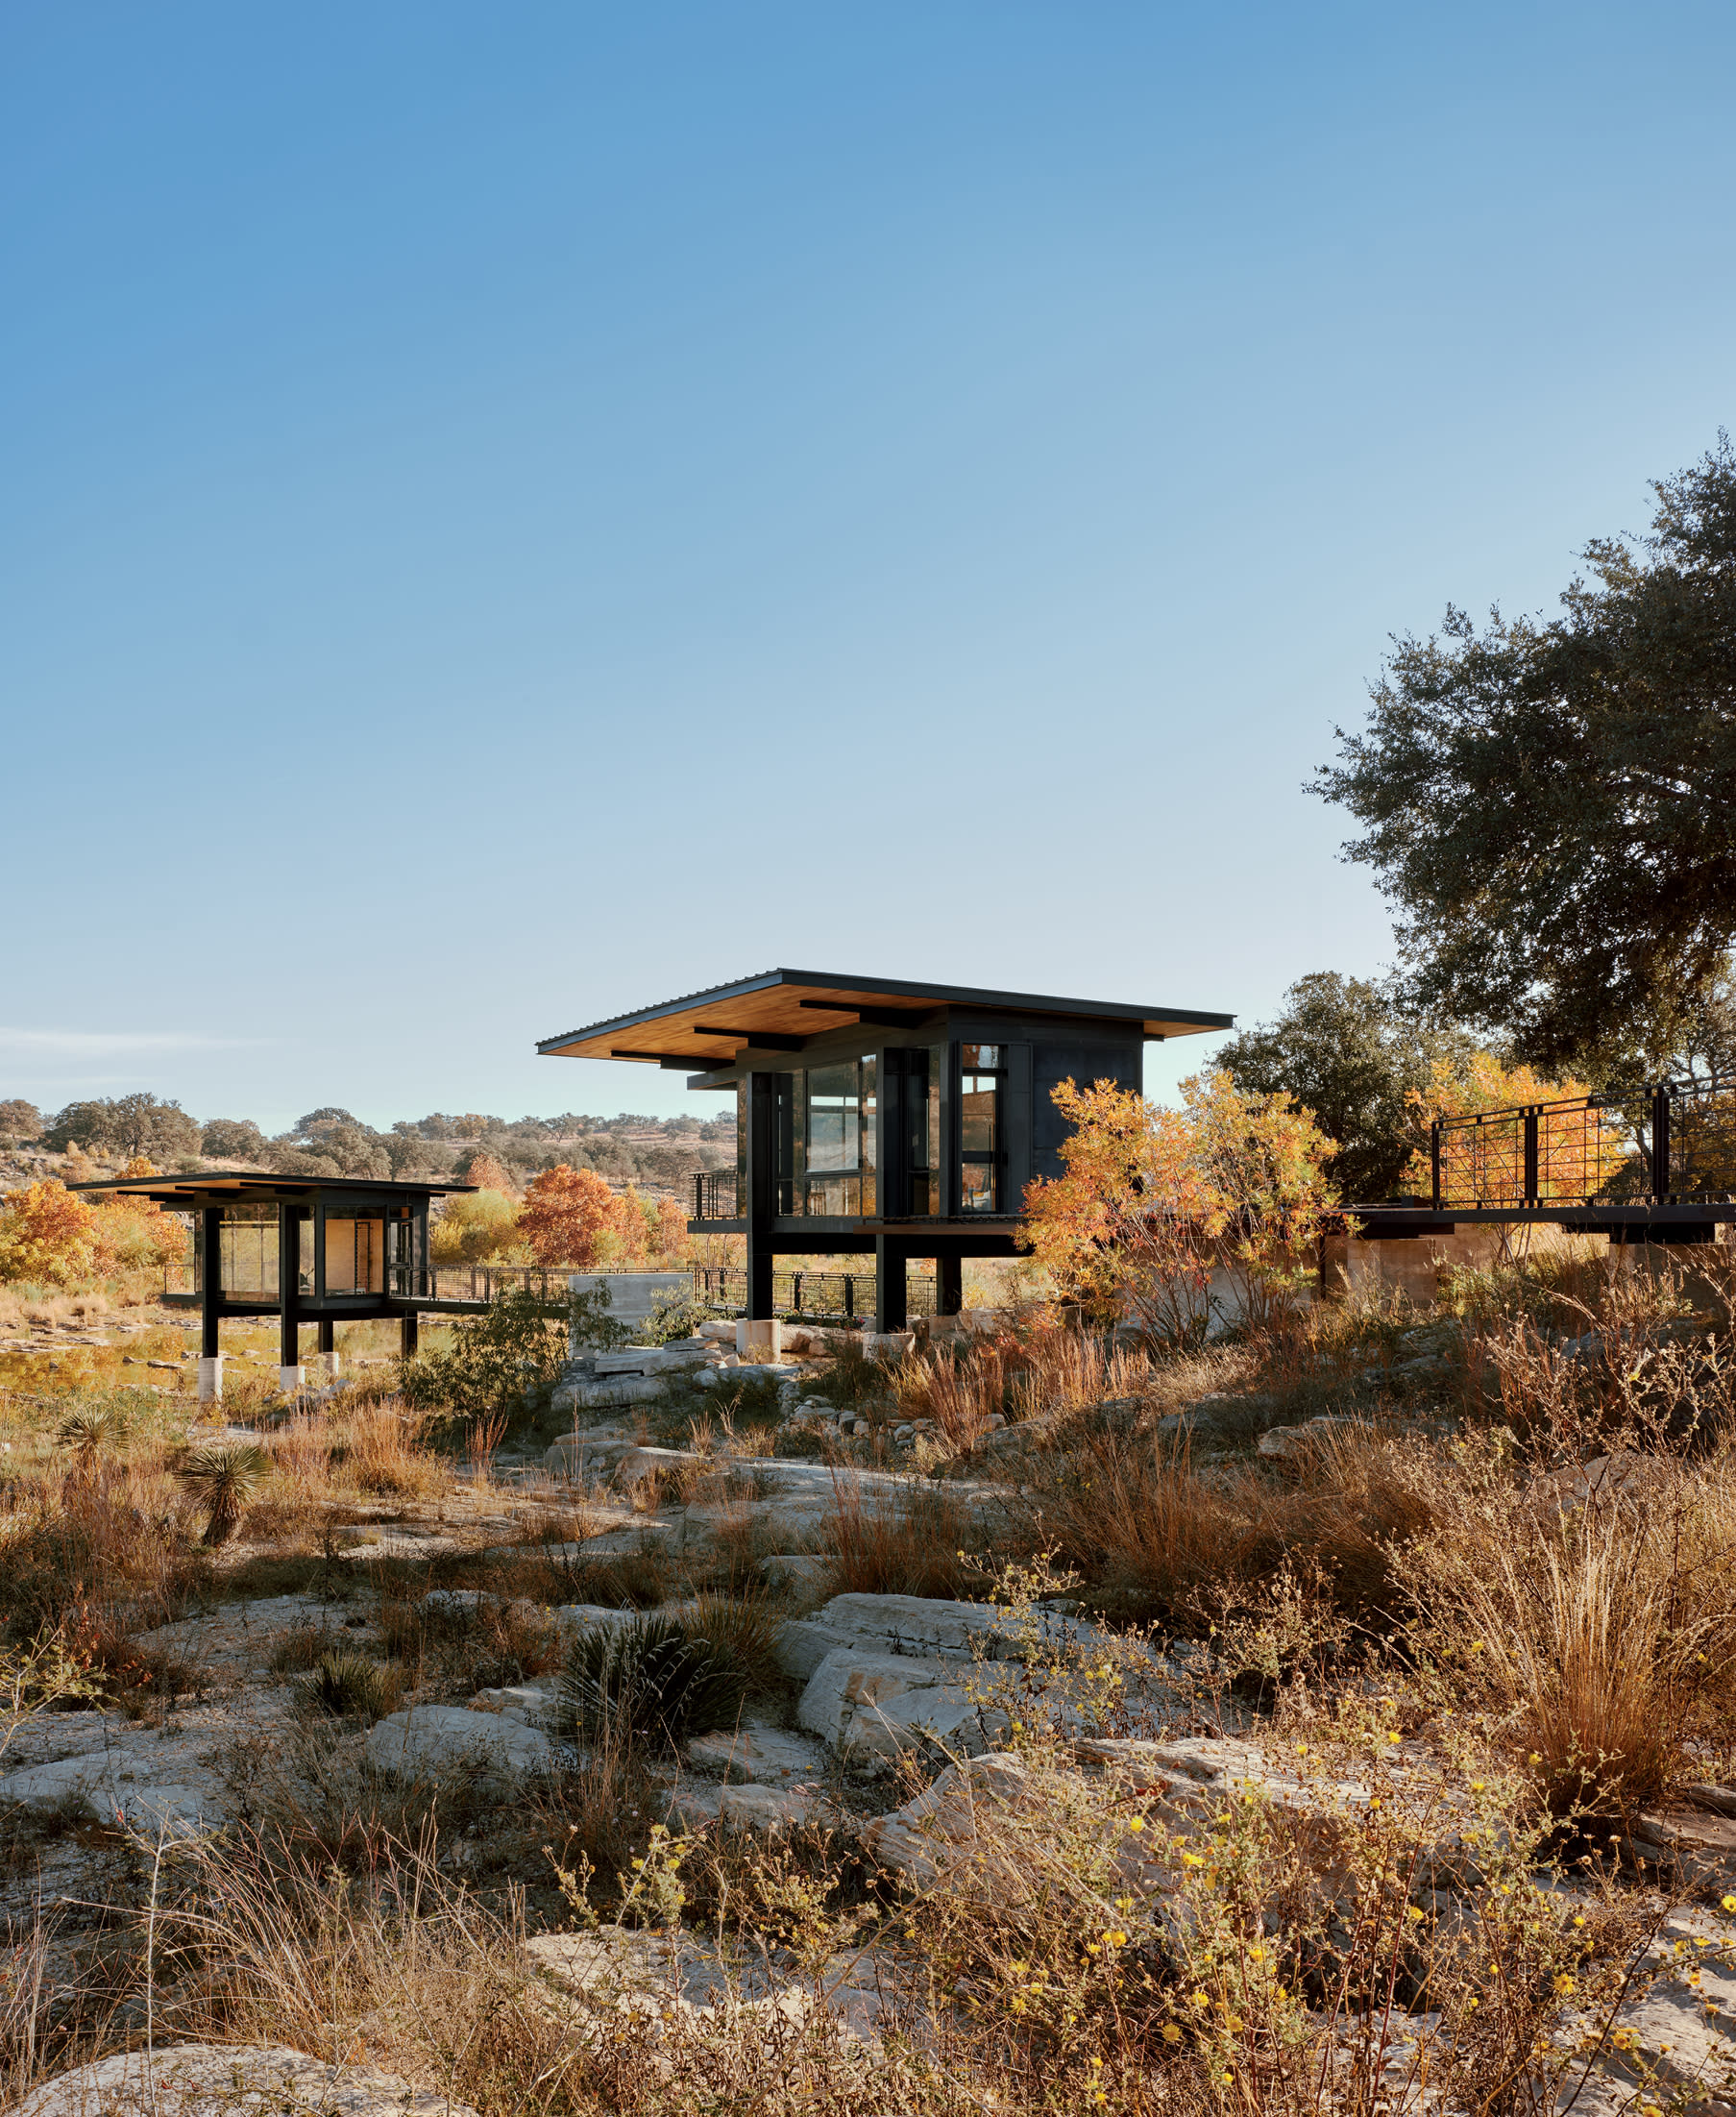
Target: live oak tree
{"type": "Point", "coordinates": [1550, 807]}
{"type": "Point", "coordinates": [1342, 1049]}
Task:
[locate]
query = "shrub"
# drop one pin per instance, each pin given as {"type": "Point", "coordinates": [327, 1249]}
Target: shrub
{"type": "Point", "coordinates": [650, 1678]}
{"type": "Point", "coordinates": [473, 1227]}
{"type": "Point", "coordinates": [344, 1682]}
{"type": "Point", "coordinates": [511, 1357]}
{"type": "Point", "coordinates": [224, 1477]}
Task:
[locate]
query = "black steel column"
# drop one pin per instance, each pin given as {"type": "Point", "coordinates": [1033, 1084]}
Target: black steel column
{"type": "Point", "coordinates": [327, 1327]}
{"type": "Point", "coordinates": [891, 1308]}
{"type": "Point", "coordinates": [949, 1285]}
{"type": "Point", "coordinates": [407, 1333]}
{"type": "Point", "coordinates": [762, 1191]}
{"type": "Point", "coordinates": [211, 1278]}
{"type": "Point", "coordinates": [1434, 1159]}
{"type": "Point", "coordinates": [1660, 1142]}
{"type": "Point", "coordinates": [289, 1287]}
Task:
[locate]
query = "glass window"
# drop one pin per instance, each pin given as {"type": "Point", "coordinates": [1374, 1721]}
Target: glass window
{"type": "Point", "coordinates": [834, 1118]}
{"type": "Point", "coordinates": [979, 1126]}
{"type": "Point", "coordinates": [976, 1188]}
{"type": "Point", "coordinates": [922, 1127]}
{"type": "Point", "coordinates": [869, 1134]}
{"type": "Point", "coordinates": [354, 1255]}
{"type": "Point", "coordinates": [834, 1139]}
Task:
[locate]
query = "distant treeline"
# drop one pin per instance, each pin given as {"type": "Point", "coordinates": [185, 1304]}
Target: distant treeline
{"type": "Point", "coordinates": [332, 1142]}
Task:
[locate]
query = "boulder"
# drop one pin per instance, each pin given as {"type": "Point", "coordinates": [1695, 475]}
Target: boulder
{"type": "Point", "coordinates": [797, 1574]}
{"type": "Point", "coordinates": [768, 1809]}
{"type": "Point", "coordinates": [927, 1626]}
{"type": "Point", "coordinates": [606, 1395]}
{"type": "Point", "coordinates": [761, 1756]}
{"type": "Point", "coordinates": [648, 1360]}
{"type": "Point", "coordinates": [840, 1700]}
{"type": "Point", "coordinates": [428, 1741]}
{"type": "Point", "coordinates": [119, 1788]}
{"type": "Point", "coordinates": [940, 1830]}
{"type": "Point", "coordinates": [203, 2080]}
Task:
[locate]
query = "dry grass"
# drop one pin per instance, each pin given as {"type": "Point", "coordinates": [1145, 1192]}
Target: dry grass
{"type": "Point", "coordinates": [922, 1547]}
{"type": "Point", "coordinates": [1598, 1638]}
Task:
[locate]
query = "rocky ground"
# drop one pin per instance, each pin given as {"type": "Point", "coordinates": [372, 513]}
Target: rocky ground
{"type": "Point", "coordinates": [968, 1754]}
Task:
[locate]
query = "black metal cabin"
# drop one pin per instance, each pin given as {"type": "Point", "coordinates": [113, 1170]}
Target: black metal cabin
{"type": "Point", "coordinates": [360, 1244]}
{"type": "Point", "coordinates": [878, 1114]}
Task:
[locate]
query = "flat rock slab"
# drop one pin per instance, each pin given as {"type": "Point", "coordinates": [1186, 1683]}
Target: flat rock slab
{"type": "Point", "coordinates": [928, 1627]}
{"type": "Point", "coordinates": [199, 2079]}
{"type": "Point", "coordinates": [762, 1755]}
{"type": "Point", "coordinates": [428, 1740]}
{"type": "Point", "coordinates": [234, 1637]}
{"type": "Point", "coordinates": [767, 1810]}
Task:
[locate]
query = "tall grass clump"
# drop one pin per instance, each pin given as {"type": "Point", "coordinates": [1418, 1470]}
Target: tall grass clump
{"type": "Point", "coordinates": [650, 1679]}
{"type": "Point", "coordinates": [1594, 1628]}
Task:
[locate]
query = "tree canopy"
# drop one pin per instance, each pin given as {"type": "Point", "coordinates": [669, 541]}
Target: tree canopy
{"type": "Point", "coordinates": [1343, 1050]}
{"type": "Point", "coordinates": [1550, 807]}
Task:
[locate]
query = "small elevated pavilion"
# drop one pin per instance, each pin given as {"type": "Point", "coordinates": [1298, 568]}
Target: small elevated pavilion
{"type": "Point", "coordinates": [359, 1248]}
{"type": "Point", "coordinates": [915, 1119]}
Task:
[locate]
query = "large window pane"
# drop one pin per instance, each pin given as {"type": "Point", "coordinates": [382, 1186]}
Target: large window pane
{"type": "Point", "coordinates": [977, 1110]}
{"type": "Point", "coordinates": [354, 1255]}
{"type": "Point", "coordinates": [868, 1135]}
{"type": "Point", "coordinates": [834, 1118]}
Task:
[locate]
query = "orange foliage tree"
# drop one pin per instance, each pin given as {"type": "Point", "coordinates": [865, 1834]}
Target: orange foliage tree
{"type": "Point", "coordinates": [1577, 1156]}
{"type": "Point", "coordinates": [671, 1239]}
{"type": "Point", "coordinates": [1152, 1201]}
{"type": "Point", "coordinates": [569, 1216]}
{"type": "Point", "coordinates": [489, 1175]}
{"type": "Point", "coordinates": [136, 1234]}
{"type": "Point", "coordinates": [47, 1233]}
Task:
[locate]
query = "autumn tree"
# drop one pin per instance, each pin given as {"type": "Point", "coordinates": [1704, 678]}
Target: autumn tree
{"type": "Point", "coordinates": [19, 1119]}
{"type": "Point", "coordinates": [482, 1170]}
{"type": "Point", "coordinates": [569, 1216]}
{"type": "Point", "coordinates": [47, 1233]}
{"type": "Point", "coordinates": [671, 1239]}
{"type": "Point", "coordinates": [1551, 805]}
{"type": "Point", "coordinates": [1152, 1202]}
{"type": "Point", "coordinates": [476, 1228]}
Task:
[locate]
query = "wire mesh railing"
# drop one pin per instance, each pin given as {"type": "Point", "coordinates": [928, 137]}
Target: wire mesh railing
{"type": "Point", "coordinates": [1671, 1144]}
{"type": "Point", "coordinates": [715, 1194]}
{"type": "Point", "coordinates": [839, 1296]}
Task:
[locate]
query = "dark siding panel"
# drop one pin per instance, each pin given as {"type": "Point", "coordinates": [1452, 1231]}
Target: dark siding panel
{"type": "Point", "coordinates": [1083, 1063]}
{"type": "Point", "coordinates": [1015, 1131]}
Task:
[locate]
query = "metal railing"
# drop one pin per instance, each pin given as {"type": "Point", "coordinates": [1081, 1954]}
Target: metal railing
{"type": "Point", "coordinates": [476, 1282]}
{"type": "Point", "coordinates": [715, 1194]}
{"type": "Point", "coordinates": [846, 1296]}
{"type": "Point", "coordinates": [1673, 1143]}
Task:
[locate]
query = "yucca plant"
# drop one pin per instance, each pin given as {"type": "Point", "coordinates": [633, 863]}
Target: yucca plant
{"type": "Point", "coordinates": [87, 1429]}
{"type": "Point", "coordinates": [225, 1476]}
{"type": "Point", "coordinates": [344, 1682]}
{"type": "Point", "coordinates": [650, 1679]}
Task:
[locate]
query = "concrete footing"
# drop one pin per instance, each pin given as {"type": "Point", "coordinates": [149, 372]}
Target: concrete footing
{"type": "Point", "coordinates": [761, 1337]}
{"type": "Point", "coordinates": [292, 1380]}
{"type": "Point", "coordinates": [211, 1378]}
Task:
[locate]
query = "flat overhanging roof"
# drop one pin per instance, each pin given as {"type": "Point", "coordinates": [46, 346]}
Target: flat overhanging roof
{"type": "Point", "coordinates": [781, 1010]}
{"type": "Point", "coordinates": [247, 1187]}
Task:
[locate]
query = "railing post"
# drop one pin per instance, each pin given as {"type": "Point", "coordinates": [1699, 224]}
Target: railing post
{"type": "Point", "coordinates": [698, 1198]}
{"type": "Point", "coordinates": [1531, 1157]}
{"type": "Point", "coordinates": [1434, 1159]}
{"type": "Point", "coordinates": [1660, 1142]}
{"type": "Point", "coordinates": [849, 1296]}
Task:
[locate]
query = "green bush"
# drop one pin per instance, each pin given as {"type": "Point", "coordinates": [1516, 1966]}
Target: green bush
{"type": "Point", "coordinates": [650, 1680]}
{"type": "Point", "coordinates": [509, 1359]}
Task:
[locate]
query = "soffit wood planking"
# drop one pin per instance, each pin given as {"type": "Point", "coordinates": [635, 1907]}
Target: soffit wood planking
{"type": "Point", "coordinates": [788, 1007]}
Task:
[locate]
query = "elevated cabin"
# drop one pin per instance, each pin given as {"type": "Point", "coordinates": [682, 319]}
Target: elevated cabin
{"type": "Point", "coordinates": [359, 1248]}
{"type": "Point", "coordinates": [880, 1115]}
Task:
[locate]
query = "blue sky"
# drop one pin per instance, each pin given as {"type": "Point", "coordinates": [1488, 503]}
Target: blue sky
{"type": "Point", "coordinates": [507, 514]}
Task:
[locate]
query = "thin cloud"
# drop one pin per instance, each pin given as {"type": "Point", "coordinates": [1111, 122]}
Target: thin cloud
{"type": "Point", "coordinates": [86, 1043]}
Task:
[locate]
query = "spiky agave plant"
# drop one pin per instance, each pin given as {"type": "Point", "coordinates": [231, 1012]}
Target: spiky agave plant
{"type": "Point", "coordinates": [650, 1680]}
{"type": "Point", "coordinates": [225, 1476]}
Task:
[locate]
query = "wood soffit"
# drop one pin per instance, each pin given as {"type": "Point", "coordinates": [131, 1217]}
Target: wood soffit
{"type": "Point", "coordinates": [713, 1027]}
